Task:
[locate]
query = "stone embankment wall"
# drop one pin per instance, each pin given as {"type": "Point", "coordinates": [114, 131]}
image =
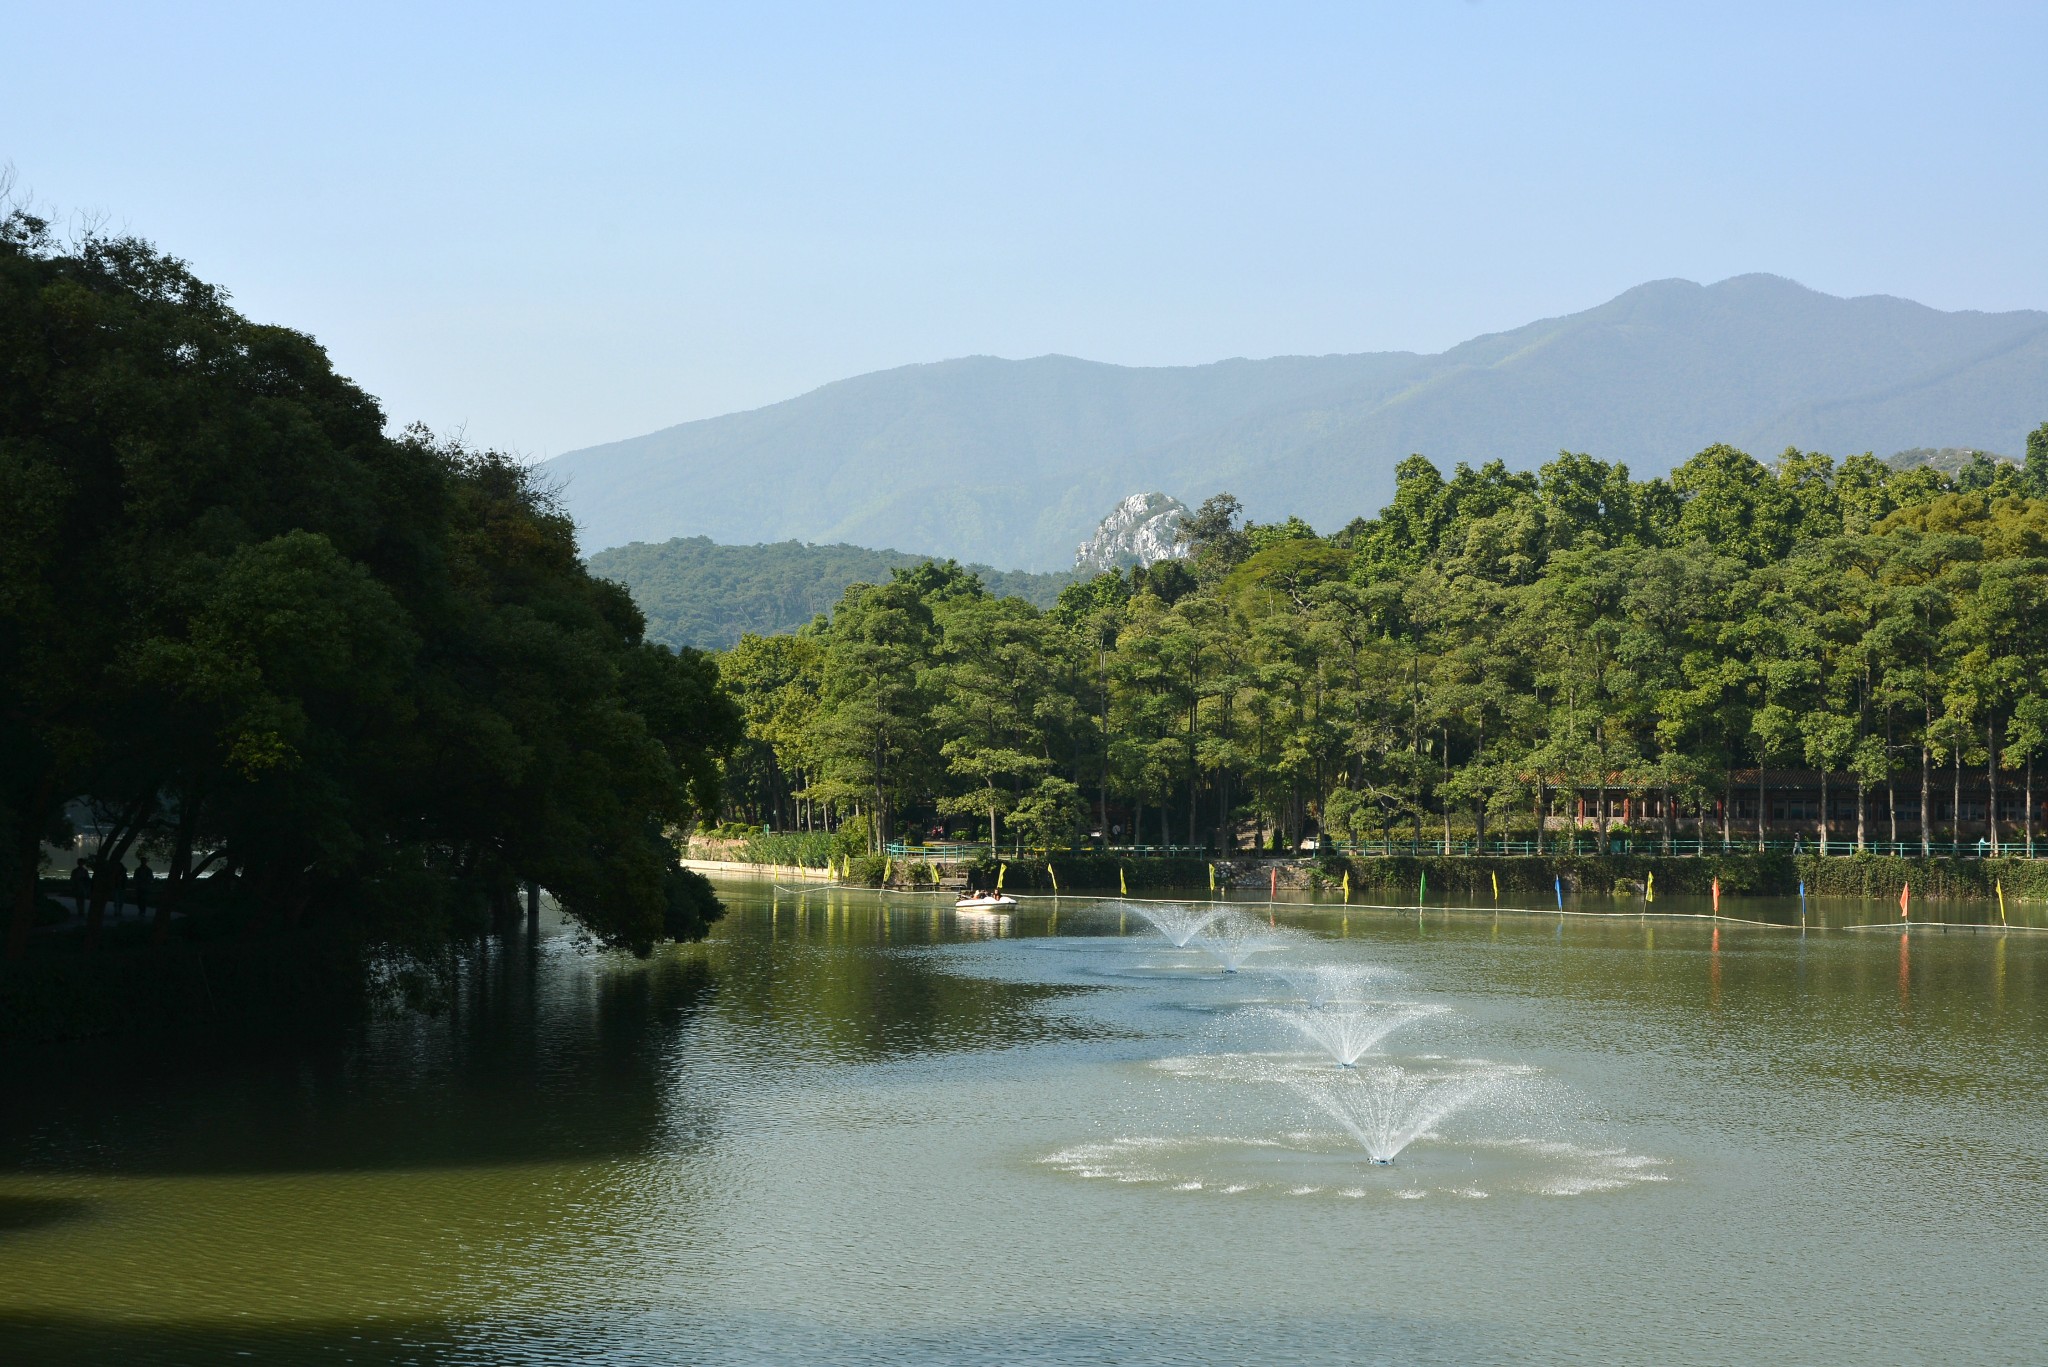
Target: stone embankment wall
{"type": "Point", "coordinates": [733, 868]}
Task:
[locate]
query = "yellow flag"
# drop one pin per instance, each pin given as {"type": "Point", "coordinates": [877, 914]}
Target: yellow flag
{"type": "Point", "coordinates": [1001, 870]}
{"type": "Point", "coordinates": [1055, 880]}
{"type": "Point", "coordinates": [2001, 901]}
{"type": "Point", "coordinates": [1496, 885]}
{"type": "Point", "coordinates": [1122, 886]}
{"type": "Point", "coordinates": [1347, 885]}
{"type": "Point", "coordinates": [887, 865]}
{"type": "Point", "coordinates": [1212, 878]}
{"type": "Point", "coordinates": [1650, 887]}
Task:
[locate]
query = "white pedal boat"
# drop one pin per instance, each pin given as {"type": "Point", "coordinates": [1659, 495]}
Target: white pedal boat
{"type": "Point", "coordinates": [987, 901]}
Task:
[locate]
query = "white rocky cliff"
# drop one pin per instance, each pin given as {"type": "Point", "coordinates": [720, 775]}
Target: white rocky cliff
{"type": "Point", "coordinates": [1140, 531]}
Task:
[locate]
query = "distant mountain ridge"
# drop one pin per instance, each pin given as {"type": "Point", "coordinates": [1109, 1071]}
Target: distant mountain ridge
{"type": "Point", "coordinates": [1012, 462]}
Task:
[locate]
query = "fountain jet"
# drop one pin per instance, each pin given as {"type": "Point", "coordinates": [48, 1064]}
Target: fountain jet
{"type": "Point", "coordinates": [1233, 937]}
{"type": "Point", "coordinates": [1177, 923]}
{"type": "Point", "coordinates": [1346, 1033]}
{"type": "Point", "coordinates": [1386, 1107]}
{"type": "Point", "coordinates": [1322, 985]}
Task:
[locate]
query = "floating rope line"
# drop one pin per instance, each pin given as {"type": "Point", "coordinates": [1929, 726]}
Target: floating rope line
{"type": "Point", "coordinates": [1406, 909]}
{"type": "Point", "coordinates": [1980, 926]}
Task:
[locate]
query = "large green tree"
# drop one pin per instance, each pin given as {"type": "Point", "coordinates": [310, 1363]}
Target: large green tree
{"type": "Point", "coordinates": [363, 682]}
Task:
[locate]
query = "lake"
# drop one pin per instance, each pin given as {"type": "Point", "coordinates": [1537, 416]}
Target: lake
{"type": "Point", "coordinates": [853, 1128]}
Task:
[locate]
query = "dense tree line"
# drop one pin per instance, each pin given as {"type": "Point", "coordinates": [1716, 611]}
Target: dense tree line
{"type": "Point", "coordinates": [1493, 649]}
{"type": "Point", "coordinates": [325, 678]}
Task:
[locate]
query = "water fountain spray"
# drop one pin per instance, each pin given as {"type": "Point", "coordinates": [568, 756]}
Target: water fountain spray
{"type": "Point", "coordinates": [1234, 937]}
{"type": "Point", "coordinates": [1322, 985]}
{"type": "Point", "coordinates": [1179, 924]}
{"type": "Point", "coordinates": [1347, 1033]}
{"type": "Point", "coordinates": [1386, 1107]}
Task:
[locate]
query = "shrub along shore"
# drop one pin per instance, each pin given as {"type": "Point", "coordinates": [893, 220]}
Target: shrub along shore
{"type": "Point", "coordinates": [1521, 877]}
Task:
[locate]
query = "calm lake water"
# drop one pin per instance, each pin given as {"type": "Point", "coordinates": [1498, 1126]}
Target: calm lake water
{"type": "Point", "coordinates": [856, 1130]}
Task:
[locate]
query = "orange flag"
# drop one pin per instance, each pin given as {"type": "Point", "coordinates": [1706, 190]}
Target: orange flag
{"type": "Point", "coordinates": [1904, 893]}
{"type": "Point", "coordinates": [1717, 897]}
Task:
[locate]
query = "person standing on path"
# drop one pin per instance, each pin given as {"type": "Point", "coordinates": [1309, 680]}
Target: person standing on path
{"type": "Point", "coordinates": [144, 876]}
{"type": "Point", "coordinates": [81, 884]}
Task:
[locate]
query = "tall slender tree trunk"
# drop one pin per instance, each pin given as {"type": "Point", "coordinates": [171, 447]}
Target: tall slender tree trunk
{"type": "Point", "coordinates": [1102, 771]}
{"type": "Point", "coordinates": [2030, 807]}
{"type": "Point", "coordinates": [1955, 803]}
{"type": "Point", "coordinates": [1926, 803]}
{"type": "Point", "coordinates": [1823, 811]}
{"type": "Point", "coordinates": [1444, 740]}
{"type": "Point", "coordinates": [1861, 804]}
{"type": "Point", "coordinates": [1539, 816]}
{"type": "Point", "coordinates": [1727, 808]}
{"type": "Point", "coordinates": [1891, 787]}
{"type": "Point", "coordinates": [1226, 846]}
{"type": "Point", "coordinates": [1760, 804]}
{"type": "Point", "coordinates": [1605, 809]}
{"type": "Point", "coordinates": [1991, 782]}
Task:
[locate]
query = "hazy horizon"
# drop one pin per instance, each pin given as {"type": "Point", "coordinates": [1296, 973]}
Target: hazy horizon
{"type": "Point", "coordinates": [1268, 356]}
{"type": "Point", "coordinates": [558, 230]}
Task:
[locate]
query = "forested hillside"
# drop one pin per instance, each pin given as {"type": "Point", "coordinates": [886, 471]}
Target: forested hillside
{"type": "Point", "coordinates": [1011, 462]}
{"type": "Point", "coordinates": [698, 593]}
{"type": "Point", "coordinates": [1489, 648]}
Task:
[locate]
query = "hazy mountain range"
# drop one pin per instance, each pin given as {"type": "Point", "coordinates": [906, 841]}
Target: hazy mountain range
{"type": "Point", "coordinates": [1013, 463]}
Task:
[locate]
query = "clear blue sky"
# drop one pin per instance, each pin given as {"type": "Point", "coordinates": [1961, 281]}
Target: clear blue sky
{"type": "Point", "coordinates": [561, 225]}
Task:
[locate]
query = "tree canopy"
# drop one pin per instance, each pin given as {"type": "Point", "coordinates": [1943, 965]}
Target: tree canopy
{"type": "Point", "coordinates": [359, 681]}
{"type": "Point", "coordinates": [1495, 646]}
{"type": "Point", "coordinates": [696, 592]}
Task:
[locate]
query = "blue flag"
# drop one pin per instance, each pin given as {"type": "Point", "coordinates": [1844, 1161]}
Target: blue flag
{"type": "Point", "coordinates": [1559, 882]}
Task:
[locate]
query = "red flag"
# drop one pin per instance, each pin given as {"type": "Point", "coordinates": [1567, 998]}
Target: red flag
{"type": "Point", "coordinates": [1904, 893]}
